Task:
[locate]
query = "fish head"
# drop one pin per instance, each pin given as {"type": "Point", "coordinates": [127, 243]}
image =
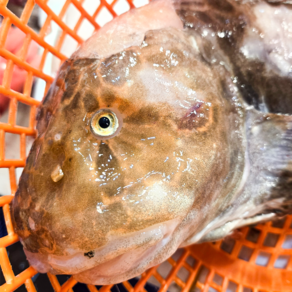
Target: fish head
{"type": "Point", "coordinates": [126, 147]}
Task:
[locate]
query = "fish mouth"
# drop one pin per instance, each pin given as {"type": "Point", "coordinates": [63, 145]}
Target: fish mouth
{"type": "Point", "coordinates": [128, 265]}
{"type": "Point", "coordinates": [122, 258]}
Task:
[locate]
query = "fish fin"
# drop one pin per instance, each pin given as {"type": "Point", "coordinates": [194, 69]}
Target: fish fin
{"type": "Point", "coordinates": [229, 229]}
{"type": "Point", "coordinates": [279, 1]}
{"type": "Point", "coordinates": [269, 144]}
{"type": "Point", "coordinates": [265, 191]}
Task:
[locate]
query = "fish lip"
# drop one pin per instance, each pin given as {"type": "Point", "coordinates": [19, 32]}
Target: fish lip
{"type": "Point", "coordinates": [149, 241]}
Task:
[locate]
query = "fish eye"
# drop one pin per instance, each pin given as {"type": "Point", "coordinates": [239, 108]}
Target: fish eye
{"type": "Point", "coordinates": [105, 124]}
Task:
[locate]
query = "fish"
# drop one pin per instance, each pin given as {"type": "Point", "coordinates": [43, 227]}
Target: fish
{"type": "Point", "coordinates": [170, 126]}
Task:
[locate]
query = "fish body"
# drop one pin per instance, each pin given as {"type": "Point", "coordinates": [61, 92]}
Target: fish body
{"type": "Point", "coordinates": [151, 142]}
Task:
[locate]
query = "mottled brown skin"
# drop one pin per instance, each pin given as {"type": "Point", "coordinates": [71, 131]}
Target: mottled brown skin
{"type": "Point", "coordinates": [257, 83]}
{"type": "Point", "coordinates": [193, 158]}
{"type": "Point", "coordinates": [191, 163]}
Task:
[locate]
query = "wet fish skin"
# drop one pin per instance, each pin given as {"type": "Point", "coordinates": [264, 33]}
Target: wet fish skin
{"type": "Point", "coordinates": [255, 38]}
{"type": "Point", "coordinates": [192, 162]}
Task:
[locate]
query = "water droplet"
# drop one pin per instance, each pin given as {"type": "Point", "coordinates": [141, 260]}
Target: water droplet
{"type": "Point", "coordinates": [221, 34]}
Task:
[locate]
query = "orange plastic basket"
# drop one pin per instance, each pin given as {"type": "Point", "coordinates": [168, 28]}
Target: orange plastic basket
{"type": "Point", "coordinates": [259, 260]}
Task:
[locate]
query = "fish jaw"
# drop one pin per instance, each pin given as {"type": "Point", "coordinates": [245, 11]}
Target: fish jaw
{"type": "Point", "coordinates": [116, 262]}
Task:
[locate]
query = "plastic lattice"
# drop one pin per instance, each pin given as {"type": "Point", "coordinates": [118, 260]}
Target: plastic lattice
{"type": "Point", "coordinates": [256, 259]}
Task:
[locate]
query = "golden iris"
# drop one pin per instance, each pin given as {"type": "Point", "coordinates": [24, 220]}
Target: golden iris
{"type": "Point", "coordinates": [104, 123]}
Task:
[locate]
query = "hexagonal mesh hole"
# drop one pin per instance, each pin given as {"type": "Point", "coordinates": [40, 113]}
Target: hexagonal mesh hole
{"type": "Point", "coordinates": [152, 280]}
{"type": "Point", "coordinates": [217, 279]}
{"type": "Point", "coordinates": [164, 269]}
{"type": "Point", "coordinates": [22, 114]}
{"type": "Point", "coordinates": [191, 261]}
{"type": "Point", "coordinates": [279, 223]}
{"type": "Point", "coordinates": [42, 283]}
{"type": "Point", "coordinates": [245, 289]}
{"type": "Point", "coordinates": [282, 262]}
{"type": "Point", "coordinates": [211, 289]}
{"type": "Point", "coordinates": [4, 182]}
{"type": "Point", "coordinates": [183, 274]}
{"type": "Point", "coordinates": [104, 16]}
{"type": "Point", "coordinates": [245, 253]}
{"type": "Point", "coordinates": [227, 245]}
{"type": "Point", "coordinates": [176, 256]}
{"type": "Point", "coordinates": [232, 287]}
{"type": "Point", "coordinates": [121, 7]}
{"type": "Point", "coordinates": [21, 289]}
{"type": "Point", "coordinates": [12, 146]}
{"type": "Point", "coordinates": [2, 279]}
{"type": "Point", "coordinates": [174, 287]}
{"type": "Point", "coordinates": [288, 242]}
{"type": "Point", "coordinates": [253, 235]}
{"type": "Point", "coordinates": [90, 6]}
{"type": "Point", "coordinates": [271, 239]}
{"type": "Point", "coordinates": [203, 274]}
{"type": "Point", "coordinates": [17, 258]}
{"type": "Point", "coordinates": [263, 259]}
{"type": "Point", "coordinates": [3, 230]}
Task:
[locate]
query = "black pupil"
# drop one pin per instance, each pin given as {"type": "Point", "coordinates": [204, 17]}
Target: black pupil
{"type": "Point", "coordinates": [104, 122]}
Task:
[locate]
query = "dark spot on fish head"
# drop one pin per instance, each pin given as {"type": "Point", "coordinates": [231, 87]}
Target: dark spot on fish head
{"type": "Point", "coordinates": [90, 102]}
{"type": "Point", "coordinates": [89, 254]}
{"type": "Point", "coordinates": [71, 82]}
{"type": "Point", "coordinates": [199, 117]}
